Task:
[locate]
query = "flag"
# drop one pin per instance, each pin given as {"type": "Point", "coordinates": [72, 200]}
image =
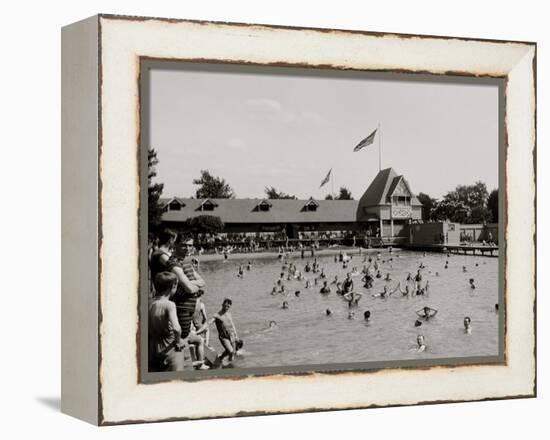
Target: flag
{"type": "Point", "coordinates": [366, 142]}
{"type": "Point", "coordinates": [326, 179]}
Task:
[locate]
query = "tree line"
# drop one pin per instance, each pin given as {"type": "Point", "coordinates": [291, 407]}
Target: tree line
{"type": "Point", "coordinates": [466, 204]}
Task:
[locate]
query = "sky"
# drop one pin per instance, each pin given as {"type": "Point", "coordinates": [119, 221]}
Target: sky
{"type": "Point", "coordinates": [287, 131]}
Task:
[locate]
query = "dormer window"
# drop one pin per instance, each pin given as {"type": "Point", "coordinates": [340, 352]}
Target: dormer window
{"type": "Point", "coordinates": [174, 205]}
{"type": "Point", "coordinates": [264, 206]}
{"type": "Point", "coordinates": [311, 205]}
{"type": "Point", "coordinates": [207, 205]}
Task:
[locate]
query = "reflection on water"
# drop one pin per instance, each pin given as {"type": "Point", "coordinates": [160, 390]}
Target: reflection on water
{"type": "Point", "coordinates": [304, 334]}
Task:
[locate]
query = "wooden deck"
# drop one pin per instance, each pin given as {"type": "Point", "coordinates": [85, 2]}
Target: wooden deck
{"type": "Point", "coordinates": [489, 251]}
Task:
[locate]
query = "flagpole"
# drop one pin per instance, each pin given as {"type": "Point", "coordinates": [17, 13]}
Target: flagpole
{"type": "Point", "coordinates": [332, 184]}
{"type": "Point", "coordinates": [379, 148]}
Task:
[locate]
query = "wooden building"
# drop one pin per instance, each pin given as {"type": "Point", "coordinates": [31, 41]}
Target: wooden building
{"type": "Point", "coordinates": [385, 208]}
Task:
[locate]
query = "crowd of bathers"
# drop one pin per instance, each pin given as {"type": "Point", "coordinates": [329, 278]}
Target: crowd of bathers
{"type": "Point", "coordinates": [374, 267]}
{"type": "Point", "coordinates": [178, 318]}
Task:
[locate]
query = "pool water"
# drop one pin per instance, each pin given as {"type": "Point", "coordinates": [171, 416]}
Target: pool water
{"type": "Point", "coordinates": [305, 335]}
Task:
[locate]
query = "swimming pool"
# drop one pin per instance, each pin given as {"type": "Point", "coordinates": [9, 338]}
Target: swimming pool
{"type": "Point", "coordinates": [305, 335]}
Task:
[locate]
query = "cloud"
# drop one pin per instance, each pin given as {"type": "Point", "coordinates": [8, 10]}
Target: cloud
{"type": "Point", "coordinates": [264, 104]}
{"type": "Point", "coordinates": [237, 144]}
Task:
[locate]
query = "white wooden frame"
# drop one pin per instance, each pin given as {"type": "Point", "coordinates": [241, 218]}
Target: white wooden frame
{"type": "Point", "coordinates": [101, 193]}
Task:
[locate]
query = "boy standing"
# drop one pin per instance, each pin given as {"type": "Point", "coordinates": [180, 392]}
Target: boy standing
{"type": "Point", "coordinates": [226, 330]}
{"type": "Point", "coordinates": [165, 343]}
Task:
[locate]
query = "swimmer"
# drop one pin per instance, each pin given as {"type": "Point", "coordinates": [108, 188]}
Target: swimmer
{"type": "Point", "coordinates": [282, 289]}
{"type": "Point", "coordinates": [421, 345]}
{"type": "Point", "coordinates": [285, 305]}
{"type": "Point", "coordinates": [272, 324]}
{"type": "Point", "coordinates": [417, 323]}
{"type": "Point", "coordinates": [467, 325]}
{"type": "Point", "coordinates": [388, 277]}
{"type": "Point", "coordinates": [378, 274]}
{"type": "Point", "coordinates": [249, 266]}
{"type": "Point", "coordinates": [409, 277]}
{"type": "Point", "coordinates": [335, 280]}
{"type": "Point", "coordinates": [426, 312]}
{"type": "Point", "coordinates": [352, 298]}
{"type": "Point", "coordinates": [339, 289]}
{"type": "Point", "coordinates": [427, 288]}
{"type": "Point", "coordinates": [406, 292]}
{"type": "Point", "coordinates": [274, 291]}
{"type": "Point", "coordinates": [368, 280]}
{"type": "Point", "coordinates": [464, 269]}
{"type": "Point", "coordinates": [351, 314]}
{"type": "Point", "coordinates": [366, 315]}
{"type": "Point", "coordinates": [325, 289]}
{"type": "Point", "coordinates": [437, 274]}
{"type": "Point", "coordinates": [297, 294]}
{"type": "Point", "coordinates": [241, 272]}
{"type": "Point", "coordinates": [308, 285]}
{"type": "Point", "coordinates": [347, 286]}
{"type": "Point", "coordinates": [472, 285]}
{"type": "Point", "coordinates": [336, 258]}
{"type": "Point", "coordinates": [328, 312]}
{"type": "Point", "coordinates": [307, 268]}
{"type": "Point", "coordinates": [385, 293]}
{"type": "Point", "coordinates": [322, 274]}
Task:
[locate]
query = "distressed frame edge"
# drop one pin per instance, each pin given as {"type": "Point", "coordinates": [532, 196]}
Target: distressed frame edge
{"type": "Point", "coordinates": [79, 121]}
{"type": "Point", "coordinates": [102, 420]}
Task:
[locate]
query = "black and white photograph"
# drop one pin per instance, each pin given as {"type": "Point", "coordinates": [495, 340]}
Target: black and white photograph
{"type": "Point", "coordinates": [312, 220]}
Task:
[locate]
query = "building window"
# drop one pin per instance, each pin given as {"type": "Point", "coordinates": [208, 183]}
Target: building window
{"type": "Point", "coordinates": [311, 207]}
{"type": "Point", "coordinates": [174, 206]}
{"type": "Point", "coordinates": [264, 206]}
{"type": "Point", "coordinates": [207, 205]}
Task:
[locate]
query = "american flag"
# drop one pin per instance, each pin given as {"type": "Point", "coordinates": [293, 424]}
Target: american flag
{"type": "Point", "coordinates": [366, 142]}
{"type": "Point", "coordinates": [326, 179]}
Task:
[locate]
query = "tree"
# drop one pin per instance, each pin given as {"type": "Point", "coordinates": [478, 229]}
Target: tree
{"type": "Point", "coordinates": [480, 214]}
{"type": "Point", "coordinates": [212, 187]}
{"type": "Point", "coordinates": [272, 193]}
{"type": "Point", "coordinates": [428, 204]}
{"type": "Point", "coordinates": [204, 224]}
{"type": "Point", "coordinates": [154, 190]}
{"type": "Point", "coordinates": [452, 210]}
{"type": "Point", "coordinates": [345, 194]}
{"type": "Point", "coordinates": [466, 204]}
{"type": "Point", "coordinates": [492, 204]}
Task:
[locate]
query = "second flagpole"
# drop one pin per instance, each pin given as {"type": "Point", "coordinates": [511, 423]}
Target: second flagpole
{"type": "Point", "coordinates": [379, 148]}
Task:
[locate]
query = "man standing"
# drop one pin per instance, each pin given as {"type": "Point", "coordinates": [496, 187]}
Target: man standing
{"type": "Point", "coordinates": [189, 287]}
